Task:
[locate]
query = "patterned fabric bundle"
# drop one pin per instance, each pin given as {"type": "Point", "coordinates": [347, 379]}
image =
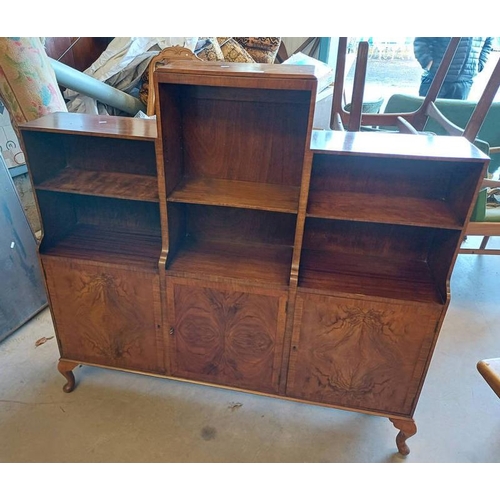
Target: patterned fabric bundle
{"type": "Point", "coordinates": [229, 49]}
{"type": "Point", "coordinates": [28, 85]}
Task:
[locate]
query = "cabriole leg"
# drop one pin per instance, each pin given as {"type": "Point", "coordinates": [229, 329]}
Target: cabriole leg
{"type": "Point", "coordinates": [407, 428]}
{"type": "Point", "coordinates": [66, 370]}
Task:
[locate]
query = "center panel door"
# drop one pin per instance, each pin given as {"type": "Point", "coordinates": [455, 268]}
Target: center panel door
{"type": "Point", "coordinates": [226, 335]}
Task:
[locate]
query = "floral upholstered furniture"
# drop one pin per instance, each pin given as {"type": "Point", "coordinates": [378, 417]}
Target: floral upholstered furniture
{"type": "Point", "coordinates": [28, 86]}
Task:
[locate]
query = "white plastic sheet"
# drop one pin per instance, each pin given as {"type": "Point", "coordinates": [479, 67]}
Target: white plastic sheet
{"type": "Point", "coordinates": [121, 65]}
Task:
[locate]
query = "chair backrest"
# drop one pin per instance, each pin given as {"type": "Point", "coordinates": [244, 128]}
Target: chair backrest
{"type": "Point", "coordinates": [406, 122]}
{"type": "Point", "coordinates": [476, 121]}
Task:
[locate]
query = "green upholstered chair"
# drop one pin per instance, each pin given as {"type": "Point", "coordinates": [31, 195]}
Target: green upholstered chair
{"type": "Point", "coordinates": [459, 113]}
{"type": "Point", "coordinates": [485, 221]}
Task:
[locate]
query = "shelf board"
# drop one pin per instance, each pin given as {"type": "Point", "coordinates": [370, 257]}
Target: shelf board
{"type": "Point", "coordinates": [261, 264]}
{"type": "Point", "coordinates": [93, 125]}
{"type": "Point", "coordinates": [238, 194]}
{"type": "Point", "coordinates": [108, 184]}
{"type": "Point", "coordinates": [385, 145]}
{"type": "Point", "coordinates": [366, 207]}
{"type": "Point", "coordinates": [367, 275]}
{"type": "Point", "coordinates": [100, 244]}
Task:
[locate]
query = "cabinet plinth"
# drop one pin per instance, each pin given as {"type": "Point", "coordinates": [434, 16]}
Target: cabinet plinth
{"type": "Point", "coordinates": [227, 243]}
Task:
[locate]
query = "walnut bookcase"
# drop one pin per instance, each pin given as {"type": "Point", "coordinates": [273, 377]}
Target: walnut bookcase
{"type": "Point", "coordinates": [228, 243]}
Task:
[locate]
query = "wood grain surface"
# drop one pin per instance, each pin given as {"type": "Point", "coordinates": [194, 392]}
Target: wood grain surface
{"type": "Point", "coordinates": [367, 275]}
{"type": "Point", "coordinates": [104, 315]}
{"type": "Point", "coordinates": [395, 209]}
{"type": "Point", "coordinates": [307, 265]}
{"type": "Point", "coordinates": [227, 336]}
{"type": "Point", "coordinates": [385, 144]}
{"type": "Point", "coordinates": [242, 194]}
{"type": "Point", "coordinates": [109, 184]}
{"type": "Point", "coordinates": [233, 261]}
{"type": "Point", "coordinates": [82, 124]}
{"type": "Point", "coordinates": [413, 192]}
{"type": "Point", "coordinates": [253, 141]}
{"type": "Point", "coordinates": [92, 243]}
{"type": "Point", "coordinates": [360, 353]}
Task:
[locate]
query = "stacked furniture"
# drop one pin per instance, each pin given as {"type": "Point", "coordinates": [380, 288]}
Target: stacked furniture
{"type": "Point", "coordinates": [229, 244]}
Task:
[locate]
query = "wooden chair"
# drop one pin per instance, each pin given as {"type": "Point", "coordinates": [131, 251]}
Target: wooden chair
{"type": "Point", "coordinates": [168, 54]}
{"type": "Point", "coordinates": [415, 121]}
{"type": "Point", "coordinates": [405, 122]}
{"type": "Point", "coordinates": [490, 371]}
{"type": "Point", "coordinates": [486, 225]}
{"type": "Point", "coordinates": [485, 228]}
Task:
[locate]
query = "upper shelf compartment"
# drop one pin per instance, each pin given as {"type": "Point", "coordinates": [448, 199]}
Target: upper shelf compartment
{"type": "Point", "coordinates": [352, 179]}
{"type": "Point", "coordinates": [231, 137]}
{"type": "Point", "coordinates": [100, 156]}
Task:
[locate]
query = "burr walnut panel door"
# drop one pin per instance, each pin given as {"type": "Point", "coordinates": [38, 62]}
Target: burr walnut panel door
{"type": "Point", "coordinates": [227, 336]}
{"type": "Point", "coordinates": [360, 354]}
{"type": "Point", "coordinates": [107, 316]}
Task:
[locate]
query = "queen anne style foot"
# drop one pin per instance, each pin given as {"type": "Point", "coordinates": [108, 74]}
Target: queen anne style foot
{"type": "Point", "coordinates": [407, 428]}
{"type": "Point", "coordinates": [66, 370]}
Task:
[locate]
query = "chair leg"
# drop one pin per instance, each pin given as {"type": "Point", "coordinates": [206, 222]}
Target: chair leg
{"type": "Point", "coordinates": [484, 242]}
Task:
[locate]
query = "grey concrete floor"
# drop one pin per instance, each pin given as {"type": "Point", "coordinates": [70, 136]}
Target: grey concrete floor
{"type": "Point", "coordinates": [121, 417]}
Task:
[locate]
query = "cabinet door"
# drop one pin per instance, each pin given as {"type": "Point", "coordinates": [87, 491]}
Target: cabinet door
{"type": "Point", "coordinates": [360, 354]}
{"type": "Point", "coordinates": [226, 336]}
{"type": "Point", "coordinates": [106, 315]}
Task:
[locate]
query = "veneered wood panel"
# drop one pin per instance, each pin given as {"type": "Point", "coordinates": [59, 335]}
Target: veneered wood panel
{"type": "Point", "coordinates": [111, 154]}
{"type": "Point", "coordinates": [248, 141]}
{"type": "Point", "coordinates": [235, 225]}
{"type": "Point", "coordinates": [409, 191]}
{"type": "Point", "coordinates": [253, 195]}
{"type": "Point", "coordinates": [360, 354]}
{"type": "Point", "coordinates": [396, 209]}
{"type": "Point", "coordinates": [256, 264]}
{"type": "Point", "coordinates": [231, 243]}
{"type": "Point", "coordinates": [81, 124]}
{"type": "Point", "coordinates": [107, 184]}
{"type": "Point", "coordinates": [226, 336]}
{"type": "Point", "coordinates": [105, 315]}
{"type": "Point", "coordinates": [368, 275]}
{"type": "Point", "coordinates": [405, 146]}
{"type": "Point", "coordinates": [100, 245]}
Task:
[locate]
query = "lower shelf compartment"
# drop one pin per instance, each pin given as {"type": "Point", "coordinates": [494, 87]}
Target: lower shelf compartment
{"type": "Point", "coordinates": [263, 264]}
{"type": "Point", "coordinates": [368, 275]}
{"type": "Point", "coordinates": [96, 243]}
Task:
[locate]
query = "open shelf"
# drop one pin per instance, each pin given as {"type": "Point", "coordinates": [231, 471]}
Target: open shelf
{"type": "Point", "coordinates": [262, 264]}
{"type": "Point", "coordinates": [238, 194]}
{"type": "Point", "coordinates": [413, 191]}
{"type": "Point", "coordinates": [95, 243]}
{"type": "Point", "coordinates": [101, 183]}
{"type": "Point", "coordinates": [367, 207]}
{"type": "Point", "coordinates": [368, 275]}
